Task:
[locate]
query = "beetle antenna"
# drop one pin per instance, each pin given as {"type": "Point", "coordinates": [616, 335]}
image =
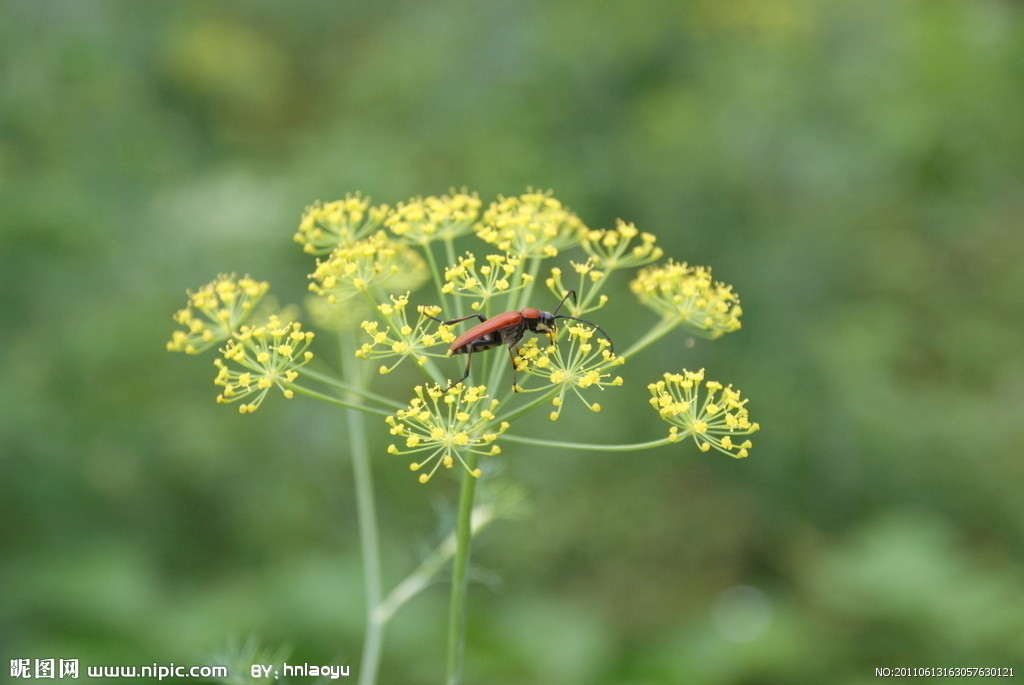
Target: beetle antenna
{"type": "Point", "coordinates": [611, 345]}
{"type": "Point", "coordinates": [571, 293]}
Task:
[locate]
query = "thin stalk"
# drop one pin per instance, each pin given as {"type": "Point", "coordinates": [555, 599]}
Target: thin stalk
{"type": "Point", "coordinates": [457, 606]}
{"type": "Point", "coordinates": [449, 252]}
{"type": "Point", "coordinates": [431, 371]}
{"type": "Point", "coordinates": [369, 539]}
{"type": "Point", "coordinates": [353, 405]}
{"type": "Point", "coordinates": [435, 273]}
{"type": "Point", "coordinates": [592, 292]}
{"type": "Point", "coordinates": [526, 293]}
{"type": "Point", "coordinates": [366, 513]}
{"type": "Point", "coordinates": [424, 574]}
{"type": "Point", "coordinates": [658, 331]}
{"type": "Point", "coordinates": [355, 390]}
{"type": "Point", "coordinates": [542, 398]}
{"type": "Point", "coordinates": [586, 446]}
{"type": "Point", "coordinates": [497, 363]}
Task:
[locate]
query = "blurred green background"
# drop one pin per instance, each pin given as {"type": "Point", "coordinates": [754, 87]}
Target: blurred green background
{"type": "Point", "coordinates": [855, 170]}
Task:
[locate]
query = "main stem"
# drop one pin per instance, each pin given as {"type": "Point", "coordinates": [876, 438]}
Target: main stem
{"type": "Point", "coordinates": [366, 514]}
{"type": "Point", "coordinates": [460, 564]}
{"type": "Point", "coordinates": [370, 546]}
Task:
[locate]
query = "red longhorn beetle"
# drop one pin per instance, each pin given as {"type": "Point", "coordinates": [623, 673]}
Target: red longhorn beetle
{"type": "Point", "coordinates": [508, 329]}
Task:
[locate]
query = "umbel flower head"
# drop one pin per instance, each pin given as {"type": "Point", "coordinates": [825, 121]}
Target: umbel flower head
{"type": "Point", "coordinates": [442, 427]}
{"type": "Point", "coordinates": [398, 339]}
{"type": "Point", "coordinates": [534, 224]}
{"type": "Point", "coordinates": [624, 247]}
{"type": "Point", "coordinates": [712, 421]}
{"type": "Point", "coordinates": [498, 275]}
{"type": "Point", "coordinates": [268, 356]}
{"type": "Point", "coordinates": [324, 226]}
{"type": "Point", "coordinates": [376, 261]}
{"type": "Point", "coordinates": [424, 219]}
{"type": "Point", "coordinates": [215, 311]}
{"type": "Point", "coordinates": [577, 365]}
{"type": "Point", "coordinates": [686, 294]}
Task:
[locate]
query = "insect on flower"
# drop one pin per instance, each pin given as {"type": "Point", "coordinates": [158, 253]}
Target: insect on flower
{"type": "Point", "coordinates": [508, 329]}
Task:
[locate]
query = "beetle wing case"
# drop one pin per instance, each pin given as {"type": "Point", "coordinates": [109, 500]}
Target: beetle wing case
{"type": "Point", "coordinates": [489, 332]}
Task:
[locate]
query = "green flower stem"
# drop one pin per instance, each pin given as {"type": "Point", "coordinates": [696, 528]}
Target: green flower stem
{"type": "Point", "coordinates": [449, 252]}
{"type": "Point", "coordinates": [354, 405]}
{"type": "Point", "coordinates": [436, 274]}
{"type": "Point", "coordinates": [541, 398]}
{"type": "Point", "coordinates": [588, 447]}
{"type": "Point", "coordinates": [366, 514]}
{"type": "Point", "coordinates": [498, 360]}
{"type": "Point", "coordinates": [657, 332]}
{"type": "Point", "coordinates": [369, 539]}
{"type": "Point", "coordinates": [424, 574]}
{"type": "Point", "coordinates": [355, 390]}
{"type": "Point", "coordinates": [592, 292]}
{"type": "Point", "coordinates": [457, 606]}
{"type": "Point", "coordinates": [526, 293]}
{"type": "Point", "coordinates": [431, 371]}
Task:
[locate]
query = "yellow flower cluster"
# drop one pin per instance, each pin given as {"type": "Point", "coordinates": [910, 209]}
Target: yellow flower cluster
{"type": "Point", "coordinates": [687, 294]}
{"type": "Point", "coordinates": [398, 338]}
{"type": "Point", "coordinates": [375, 261]}
{"type": "Point", "coordinates": [269, 355]}
{"type": "Point", "coordinates": [534, 224]}
{"type": "Point", "coordinates": [447, 426]}
{"type": "Point", "coordinates": [325, 225]}
{"type": "Point", "coordinates": [422, 220]}
{"type": "Point", "coordinates": [620, 248]}
{"type": "Point", "coordinates": [576, 365]}
{"type": "Point", "coordinates": [712, 421]}
{"type": "Point", "coordinates": [500, 275]}
{"type": "Point", "coordinates": [215, 311]}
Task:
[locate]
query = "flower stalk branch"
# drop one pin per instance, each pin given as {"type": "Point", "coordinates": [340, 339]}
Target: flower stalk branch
{"type": "Point", "coordinates": [457, 602]}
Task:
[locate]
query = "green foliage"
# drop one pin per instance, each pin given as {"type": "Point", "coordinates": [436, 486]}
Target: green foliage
{"type": "Point", "coordinates": [853, 169]}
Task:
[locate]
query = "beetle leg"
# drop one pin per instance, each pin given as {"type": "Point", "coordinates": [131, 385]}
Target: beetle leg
{"type": "Point", "coordinates": [469, 359]}
{"type": "Point", "coordinates": [452, 322]}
